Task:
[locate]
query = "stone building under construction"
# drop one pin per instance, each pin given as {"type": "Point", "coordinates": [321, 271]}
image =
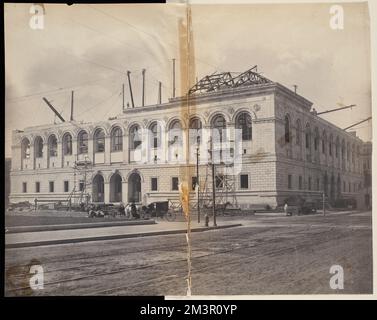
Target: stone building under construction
{"type": "Point", "coordinates": [137, 156]}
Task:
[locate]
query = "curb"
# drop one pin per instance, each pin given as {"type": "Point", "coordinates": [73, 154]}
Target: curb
{"type": "Point", "coordinates": [72, 226]}
{"type": "Point", "coordinates": [114, 237]}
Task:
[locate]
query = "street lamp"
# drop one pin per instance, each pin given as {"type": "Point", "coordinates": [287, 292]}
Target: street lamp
{"type": "Point", "coordinates": [213, 184]}
{"type": "Point", "coordinates": [197, 174]}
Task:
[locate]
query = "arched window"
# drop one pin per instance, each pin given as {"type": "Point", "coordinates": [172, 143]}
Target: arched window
{"type": "Point", "coordinates": [38, 147]}
{"type": "Point", "coordinates": [298, 131]}
{"type": "Point", "coordinates": [243, 122]}
{"type": "Point", "coordinates": [337, 147]}
{"type": "Point", "coordinates": [330, 145]}
{"type": "Point", "coordinates": [195, 130]}
{"type": "Point", "coordinates": [348, 152]}
{"type": "Point", "coordinates": [219, 125]}
{"type": "Point", "coordinates": [353, 153]}
{"type": "Point", "coordinates": [307, 136]}
{"type": "Point", "coordinates": [316, 139]}
{"type": "Point", "coordinates": [287, 132]}
{"type": "Point", "coordinates": [67, 144]}
{"type": "Point", "coordinates": [324, 142]}
{"type": "Point", "coordinates": [175, 132]}
{"type": "Point", "coordinates": [82, 144]}
{"type": "Point", "coordinates": [52, 146]}
{"type": "Point", "coordinates": [25, 148]}
{"type": "Point", "coordinates": [135, 137]}
{"type": "Point", "coordinates": [99, 141]}
{"type": "Point", "coordinates": [155, 135]}
{"type": "Point", "coordinates": [343, 149]}
{"type": "Point", "coordinates": [116, 139]}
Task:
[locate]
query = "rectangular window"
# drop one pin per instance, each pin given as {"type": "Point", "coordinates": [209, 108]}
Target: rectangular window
{"type": "Point", "coordinates": [24, 187]}
{"type": "Point", "coordinates": [154, 184]}
{"type": "Point", "coordinates": [219, 181]}
{"type": "Point", "coordinates": [193, 183]}
{"type": "Point", "coordinates": [244, 181]}
{"type": "Point", "coordinates": [174, 183]}
{"type": "Point", "coordinates": [307, 140]}
{"type": "Point", "coordinates": [81, 185]}
{"type": "Point", "coordinates": [66, 186]}
{"type": "Point", "coordinates": [51, 186]}
{"type": "Point", "coordinates": [37, 187]}
{"type": "Point", "coordinates": [289, 181]}
{"type": "Point", "coordinates": [310, 183]}
{"type": "Point", "coordinates": [349, 186]}
{"type": "Point", "coordinates": [344, 186]}
{"type": "Point", "coordinates": [300, 182]}
{"type": "Point", "coordinates": [318, 184]}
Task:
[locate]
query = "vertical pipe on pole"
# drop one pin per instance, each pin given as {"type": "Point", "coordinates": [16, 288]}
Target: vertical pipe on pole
{"type": "Point", "coordinates": [71, 118]}
{"type": "Point", "coordinates": [197, 180]}
{"type": "Point", "coordinates": [129, 84]}
{"type": "Point", "coordinates": [159, 92]}
{"type": "Point", "coordinates": [173, 78]}
{"type": "Point", "coordinates": [213, 194]}
{"type": "Point", "coordinates": [123, 107]}
{"type": "Point", "coordinates": [143, 93]}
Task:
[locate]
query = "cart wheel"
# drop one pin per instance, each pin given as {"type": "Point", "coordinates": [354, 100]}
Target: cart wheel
{"type": "Point", "coordinates": [170, 216]}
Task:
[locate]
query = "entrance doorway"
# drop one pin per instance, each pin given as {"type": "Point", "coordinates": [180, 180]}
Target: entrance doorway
{"type": "Point", "coordinates": [98, 189]}
{"type": "Point", "coordinates": [134, 188]}
{"type": "Point", "coordinates": [116, 188]}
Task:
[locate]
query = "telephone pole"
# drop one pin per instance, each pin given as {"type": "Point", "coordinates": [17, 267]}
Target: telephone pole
{"type": "Point", "coordinates": [71, 118]}
{"type": "Point", "coordinates": [129, 84]}
{"type": "Point", "coordinates": [123, 107]}
{"type": "Point", "coordinates": [143, 93]}
{"type": "Point", "coordinates": [159, 92]}
{"type": "Point", "coordinates": [197, 179]}
{"type": "Point", "coordinates": [173, 78]}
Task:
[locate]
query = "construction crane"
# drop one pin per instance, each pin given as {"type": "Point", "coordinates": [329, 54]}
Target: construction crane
{"type": "Point", "coordinates": [355, 124]}
{"type": "Point", "coordinates": [53, 109]}
{"type": "Point", "coordinates": [337, 109]}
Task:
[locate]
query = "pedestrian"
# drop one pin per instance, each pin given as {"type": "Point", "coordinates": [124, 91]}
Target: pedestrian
{"type": "Point", "coordinates": [35, 204]}
{"type": "Point", "coordinates": [286, 209]}
{"type": "Point", "coordinates": [121, 209]}
{"type": "Point", "coordinates": [134, 211]}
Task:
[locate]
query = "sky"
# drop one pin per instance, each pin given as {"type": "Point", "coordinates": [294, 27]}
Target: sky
{"type": "Point", "coordinates": [89, 48]}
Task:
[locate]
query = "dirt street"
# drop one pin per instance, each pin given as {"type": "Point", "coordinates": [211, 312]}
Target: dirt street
{"type": "Point", "coordinates": [267, 255]}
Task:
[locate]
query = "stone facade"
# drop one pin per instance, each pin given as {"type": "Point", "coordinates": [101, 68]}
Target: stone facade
{"type": "Point", "coordinates": [286, 139]}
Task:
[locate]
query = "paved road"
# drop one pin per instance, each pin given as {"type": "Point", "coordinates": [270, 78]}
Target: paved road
{"type": "Point", "coordinates": [268, 255]}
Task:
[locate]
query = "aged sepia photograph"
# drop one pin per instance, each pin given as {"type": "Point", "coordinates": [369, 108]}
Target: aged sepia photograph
{"type": "Point", "coordinates": [186, 149]}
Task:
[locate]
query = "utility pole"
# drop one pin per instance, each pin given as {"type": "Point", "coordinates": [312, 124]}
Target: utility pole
{"type": "Point", "coordinates": [173, 78]}
{"type": "Point", "coordinates": [123, 107]}
{"type": "Point", "coordinates": [214, 194]}
{"type": "Point", "coordinates": [143, 93]}
{"type": "Point", "coordinates": [213, 185]}
{"type": "Point", "coordinates": [71, 118]}
{"type": "Point", "coordinates": [129, 84]}
{"type": "Point", "coordinates": [85, 181]}
{"type": "Point", "coordinates": [197, 179]}
{"type": "Point", "coordinates": [74, 179]}
{"type": "Point", "coordinates": [159, 92]}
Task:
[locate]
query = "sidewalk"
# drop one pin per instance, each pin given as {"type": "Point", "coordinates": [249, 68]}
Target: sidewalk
{"type": "Point", "coordinates": [70, 226]}
{"type": "Point", "coordinates": [32, 239]}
